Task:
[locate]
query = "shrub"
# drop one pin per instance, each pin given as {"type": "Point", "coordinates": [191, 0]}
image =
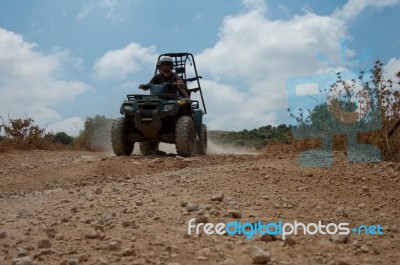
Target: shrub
{"type": "Point", "coordinates": [23, 134]}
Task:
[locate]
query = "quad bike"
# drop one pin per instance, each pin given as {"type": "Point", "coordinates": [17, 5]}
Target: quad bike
{"type": "Point", "coordinates": [163, 117]}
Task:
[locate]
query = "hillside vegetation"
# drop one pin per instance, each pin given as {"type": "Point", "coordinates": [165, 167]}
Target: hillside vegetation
{"type": "Point", "coordinates": [256, 138]}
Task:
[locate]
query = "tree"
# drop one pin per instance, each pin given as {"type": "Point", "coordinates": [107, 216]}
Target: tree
{"type": "Point", "coordinates": [64, 138]}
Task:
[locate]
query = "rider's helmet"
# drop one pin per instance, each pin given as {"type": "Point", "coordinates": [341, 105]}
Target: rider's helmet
{"type": "Point", "coordinates": [165, 59]}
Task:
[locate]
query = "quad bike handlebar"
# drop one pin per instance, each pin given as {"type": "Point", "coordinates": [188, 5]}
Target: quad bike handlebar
{"type": "Point", "coordinates": [150, 85]}
{"type": "Point", "coordinates": [165, 88]}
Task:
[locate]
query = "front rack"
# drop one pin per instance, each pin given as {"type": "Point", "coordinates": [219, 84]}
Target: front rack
{"type": "Point", "coordinates": [159, 96]}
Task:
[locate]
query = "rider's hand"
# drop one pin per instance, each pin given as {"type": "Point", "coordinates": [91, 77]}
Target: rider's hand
{"type": "Point", "coordinates": [180, 83]}
{"type": "Point", "coordinates": [142, 86]}
{"type": "Point", "coordinates": [181, 87]}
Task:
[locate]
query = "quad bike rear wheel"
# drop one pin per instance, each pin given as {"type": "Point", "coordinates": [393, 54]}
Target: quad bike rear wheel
{"type": "Point", "coordinates": [200, 146]}
{"type": "Point", "coordinates": [119, 141]}
{"type": "Point", "coordinates": [184, 136]}
{"type": "Point", "coordinates": [149, 147]}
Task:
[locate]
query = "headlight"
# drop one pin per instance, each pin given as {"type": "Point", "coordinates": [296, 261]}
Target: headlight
{"type": "Point", "coordinates": [169, 107]}
{"type": "Point", "coordinates": [128, 108]}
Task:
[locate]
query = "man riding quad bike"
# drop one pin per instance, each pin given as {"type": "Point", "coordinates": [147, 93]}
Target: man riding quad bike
{"type": "Point", "coordinates": [165, 65]}
{"type": "Point", "coordinates": [166, 115]}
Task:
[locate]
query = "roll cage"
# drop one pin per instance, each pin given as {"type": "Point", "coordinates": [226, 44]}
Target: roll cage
{"type": "Point", "coordinates": [181, 61]}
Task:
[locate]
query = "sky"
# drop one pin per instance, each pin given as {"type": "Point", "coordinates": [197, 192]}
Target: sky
{"type": "Point", "coordinates": [63, 61]}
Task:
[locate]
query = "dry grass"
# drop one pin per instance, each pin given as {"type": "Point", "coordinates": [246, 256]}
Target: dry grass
{"type": "Point", "coordinates": [7, 145]}
{"type": "Point", "coordinates": [389, 146]}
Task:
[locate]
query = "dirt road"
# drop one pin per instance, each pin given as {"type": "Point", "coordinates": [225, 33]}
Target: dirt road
{"type": "Point", "coordinates": [69, 207]}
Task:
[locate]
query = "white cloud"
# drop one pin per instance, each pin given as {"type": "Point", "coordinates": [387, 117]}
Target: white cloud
{"type": "Point", "coordinates": [353, 7]}
{"type": "Point", "coordinates": [30, 84]}
{"type": "Point", "coordinates": [285, 10]}
{"type": "Point", "coordinates": [252, 45]}
{"type": "Point", "coordinates": [257, 55]}
{"type": "Point", "coordinates": [254, 57]}
{"type": "Point", "coordinates": [198, 17]}
{"type": "Point", "coordinates": [71, 126]}
{"type": "Point", "coordinates": [255, 5]}
{"type": "Point", "coordinates": [226, 104]}
{"type": "Point", "coordinates": [392, 68]}
{"type": "Point", "coordinates": [108, 6]}
{"type": "Point", "coordinates": [118, 64]}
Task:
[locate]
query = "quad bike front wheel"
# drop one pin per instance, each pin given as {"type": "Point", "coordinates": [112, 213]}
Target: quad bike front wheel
{"type": "Point", "coordinates": [119, 141]}
{"type": "Point", "coordinates": [184, 136]}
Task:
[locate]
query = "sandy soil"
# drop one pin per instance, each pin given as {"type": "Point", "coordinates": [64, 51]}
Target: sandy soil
{"type": "Point", "coordinates": [69, 207]}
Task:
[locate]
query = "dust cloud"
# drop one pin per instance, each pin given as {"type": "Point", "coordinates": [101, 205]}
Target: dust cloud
{"type": "Point", "coordinates": [213, 148]}
{"type": "Point", "coordinates": [218, 148]}
{"type": "Point", "coordinates": [101, 140]}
